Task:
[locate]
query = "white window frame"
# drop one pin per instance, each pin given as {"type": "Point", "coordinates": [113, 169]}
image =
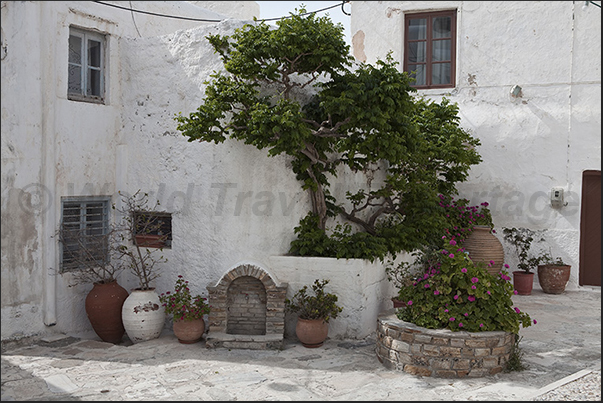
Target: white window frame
{"type": "Point", "coordinates": [84, 92]}
{"type": "Point", "coordinates": [88, 225]}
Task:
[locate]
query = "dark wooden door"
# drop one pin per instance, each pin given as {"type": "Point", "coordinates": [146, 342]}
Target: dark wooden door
{"type": "Point", "coordinates": [590, 229]}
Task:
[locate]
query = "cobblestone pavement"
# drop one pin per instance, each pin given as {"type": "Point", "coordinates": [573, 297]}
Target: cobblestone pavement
{"type": "Point", "coordinates": [562, 354]}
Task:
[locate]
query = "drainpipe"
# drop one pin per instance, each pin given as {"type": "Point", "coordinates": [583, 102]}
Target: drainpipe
{"type": "Point", "coordinates": [47, 23]}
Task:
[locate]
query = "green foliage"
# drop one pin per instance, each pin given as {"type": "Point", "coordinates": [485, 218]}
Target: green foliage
{"type": "Point", "coordinates": [522, 240]}
{"type": "Point", "coordinates": [456, 294]}
{"type": "Point", "coordinates": [463, 218]}
{"type": "Point", "coordinates": [515, 362]}
{"type": "Point", "coordinates": [321, 305]}
{"type": "Point", "coordinates": [182, 304]}
{"type": "Point", "coordinates": [293, 90]}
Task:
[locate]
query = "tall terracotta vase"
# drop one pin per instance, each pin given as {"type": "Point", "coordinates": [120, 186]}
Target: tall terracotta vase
{"type": "Point", "coordinates": [103, 307]}
{"type": "Point", "coordinates": [311, 332]}
{"type": "Point", "coordinates": [523, 282]}
{"type": "Point", "coordinates": [189, 331]}
{"type": "Point", "coordinates": [143, 315]}
{"type": "Point", "coordinates": [483, 246]}
{"type": "Point", "coordinates": [553, 278]}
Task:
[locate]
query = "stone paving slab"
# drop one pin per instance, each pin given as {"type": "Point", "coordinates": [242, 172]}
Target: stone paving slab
{"type": "Point", "coordinates": [566, 341]}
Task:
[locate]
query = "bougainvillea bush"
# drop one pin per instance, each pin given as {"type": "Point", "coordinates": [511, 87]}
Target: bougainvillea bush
{"type": "Point", "coordinates": [457, 294]}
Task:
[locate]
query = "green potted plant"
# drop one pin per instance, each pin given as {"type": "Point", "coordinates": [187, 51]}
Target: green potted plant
{"type": "Point", "coordinates": [522, 240]}
{"type": "Point", "coordinates": [187, 312]}
{"type": "Point", "coordinates": [553, 274]}
{"type": "Point", "coordinates": [314, 313]}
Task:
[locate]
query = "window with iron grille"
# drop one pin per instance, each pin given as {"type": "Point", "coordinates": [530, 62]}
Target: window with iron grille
{"type": "Point", "coordinates": [430, 48]}
{"type": "Point", "coordinates": [85, 229]}
{"type": "Point", "coordinates": [153, 224]}
{"type": "Point", "coordinates": [86, 74]}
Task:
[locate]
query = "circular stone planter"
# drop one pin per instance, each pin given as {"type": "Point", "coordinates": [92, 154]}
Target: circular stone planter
{"type": "Point", "coordinates": [440, 353]}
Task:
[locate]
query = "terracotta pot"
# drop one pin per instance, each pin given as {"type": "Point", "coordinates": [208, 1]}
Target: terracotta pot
{"type": "Point", "coordinates": [189, 331]}
{"type": "Point", "coordinates": [553, 278]}
{"type": "Point", "coordinates": [103, 307]}
{"type": "Point", "coordinates": [150, 241]}
{"type": "Point", "coordinates": [311, 332]}
{"type": "Point", "coordinates": [523, 282]}
{"type": "Point", "coordinates": [143, 315]}
{"type": "Point", "coordinates": [483, 246]}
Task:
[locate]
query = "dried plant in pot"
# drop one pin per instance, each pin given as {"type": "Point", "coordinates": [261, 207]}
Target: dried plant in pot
{"type": "Point", "coordinates": [90, 255]}
{"type": "Point", "coordinates": [141, 313]}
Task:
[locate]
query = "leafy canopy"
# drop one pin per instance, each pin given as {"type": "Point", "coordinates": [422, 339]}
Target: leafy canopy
{"type": "Point", "coordinates": [295, 90]}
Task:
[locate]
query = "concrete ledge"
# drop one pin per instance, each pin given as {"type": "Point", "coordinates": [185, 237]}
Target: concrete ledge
{"type": "Point", "coordinates": [440, 353]}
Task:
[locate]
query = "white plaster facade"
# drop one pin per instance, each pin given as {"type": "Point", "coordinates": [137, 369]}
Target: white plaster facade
{"type": "Point", "coordinates": [230, 202]}
{"type": "Point", "coordinates": [543, 139]}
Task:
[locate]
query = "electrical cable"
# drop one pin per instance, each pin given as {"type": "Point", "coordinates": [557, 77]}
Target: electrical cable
{"type": "Point", "coordinates": [210, 20]}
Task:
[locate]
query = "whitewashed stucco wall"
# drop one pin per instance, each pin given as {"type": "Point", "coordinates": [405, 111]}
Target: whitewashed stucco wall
{"type": "Point", "coordinates": [235, 203]}
{"type": "Point", "coordinates": [543, 139]}
{"type": "Point", "coordinates": [53, 147]}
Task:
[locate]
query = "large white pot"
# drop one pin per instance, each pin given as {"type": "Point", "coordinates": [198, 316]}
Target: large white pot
{"type": "Point", "coordinates": [142, 315]}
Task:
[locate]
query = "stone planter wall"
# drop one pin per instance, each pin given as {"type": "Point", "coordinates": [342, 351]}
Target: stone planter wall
{"type": "Point", "coordinates": [440, 353]}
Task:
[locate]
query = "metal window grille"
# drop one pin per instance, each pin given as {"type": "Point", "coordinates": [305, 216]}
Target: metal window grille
{"type": "Point", "coordinates": [85, 225]}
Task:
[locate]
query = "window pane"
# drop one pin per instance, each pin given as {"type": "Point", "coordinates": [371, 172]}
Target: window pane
{"type": "Point", "coordinates": [417, 52]}
{"type": "Point", "coordinates": [441, 27]}
{"type": "Point", "coordinates": [75, 49]}
{"type": "Point", "coordinates": [441, 50]}
{"type": "Point", "coordinates": [94, 53]}
{"type": "Point", "coordinates": [418, 72]}
{"type": "Point", "coordinates": [74, 85]}
{"type": "Point", "coordinates": [417, 29]}
{"type": "Point", "coordinates": [94, 84]}
{"type": "Point", "coordinates": [440, 73]}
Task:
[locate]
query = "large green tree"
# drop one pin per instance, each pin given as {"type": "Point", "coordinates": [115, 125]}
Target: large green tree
{"type": "Point", "coordinates": [294, 89]}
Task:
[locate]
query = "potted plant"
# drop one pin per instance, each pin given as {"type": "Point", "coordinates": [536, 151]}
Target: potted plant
{"type": "Point", "coordinates": [187, 311]}
{"type": "Point", "coordinates": [521, 239]}
{"type": "Point", "coordinates": [400, 276]}
{"type": "Point", "coordinates": [314, 313]}
{"type": "Point", "coordinates": [90, 257]}
{"type": "Point", "coordinates": [143, 319]}
{"type": "Point", "coordinates": [553, 274]}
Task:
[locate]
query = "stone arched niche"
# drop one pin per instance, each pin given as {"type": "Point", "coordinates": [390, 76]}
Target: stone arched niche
{"type": "Point", "coordinates": [247, 310]}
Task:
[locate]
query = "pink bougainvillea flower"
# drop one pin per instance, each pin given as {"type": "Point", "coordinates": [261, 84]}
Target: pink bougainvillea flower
{"type": "Point", "coordinates": [517, 310]}
{"type": "Point", "coordinates": [452, 242]}
{"type": "Point", "coordinates": [506, 266]}
{"type": "Point", "coordinates": [473, 287]}
{"type": "Point", "coordinates": [481, 325]}
{"type": "Point", "coordinates": [535, 321]}
{"type": "Point", "coordinates": [456, 297]}
{"type": "Point", "coordinates": [464, 270]}
{"type": "Point", "coordinates": [471, 298]}
{"type": "Point", "coordinates": [446, 310]}
{"type": "Point", "coordinates": [436, 292]}
{"type": "Point", "coordinates": [474, 279]}
{"type": "Point", "coordinates": [515, 292]}
{"type": "Point", "coordinates": [488, 292]}
{"type": "Point", "coordinates": [460, 324]}
{"type": "Point", "coordinates": [466, 314]}
{"type": "Point", "coordinates": [452, 319]}
{"type": "Point", "coordinates": [409, 303]}
{"type": "Point", "coordinates": [426, 285]}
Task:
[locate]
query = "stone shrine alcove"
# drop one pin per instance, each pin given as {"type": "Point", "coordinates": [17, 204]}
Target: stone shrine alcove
{"type": "Point", "coordinates": [247, 310]}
